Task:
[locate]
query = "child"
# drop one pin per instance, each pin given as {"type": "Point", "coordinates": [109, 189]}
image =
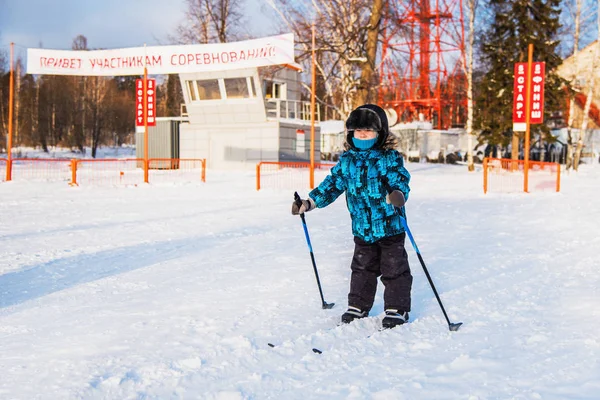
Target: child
{"type": "Point", "coordinates": [372, 175]}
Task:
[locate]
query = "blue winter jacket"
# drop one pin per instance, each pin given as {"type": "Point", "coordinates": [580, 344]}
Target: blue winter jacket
{"type": "Point", "coordinates": [367, 177]}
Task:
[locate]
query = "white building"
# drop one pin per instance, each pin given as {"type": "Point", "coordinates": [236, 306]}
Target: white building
{"type": "Point", "coordinates": [240, 117]}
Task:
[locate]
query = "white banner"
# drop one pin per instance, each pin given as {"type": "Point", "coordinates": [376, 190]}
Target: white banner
{"type": "Point", "coordinates": [273, 50]}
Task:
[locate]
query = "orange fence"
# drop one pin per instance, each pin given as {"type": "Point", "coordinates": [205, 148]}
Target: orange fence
{"type": "Point", "coordinates": [125, 171]}
{"type": "Point", "coordinates": [177, 169]}
{"type": "Point", "coordinates": [506, 176]}
{"type": "Point", "coordinates": [289, 175]}
{"type": "Point", "coordinates": [105, 171]}
{"type": "Point", "coordinates": [39, 169]}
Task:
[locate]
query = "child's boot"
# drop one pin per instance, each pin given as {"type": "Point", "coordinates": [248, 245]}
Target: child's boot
{"type": "Point", "coordinates": [353, 313]}
{"type": "Point", "coordinates": [394, 318]}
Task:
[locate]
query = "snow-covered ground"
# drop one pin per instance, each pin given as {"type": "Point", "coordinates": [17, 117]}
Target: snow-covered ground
{"type": "Point", "coordinates": [175, 291]}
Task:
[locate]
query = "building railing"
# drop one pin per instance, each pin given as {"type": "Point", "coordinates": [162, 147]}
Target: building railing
{"type": "Point", "coordinates": [291, 109]}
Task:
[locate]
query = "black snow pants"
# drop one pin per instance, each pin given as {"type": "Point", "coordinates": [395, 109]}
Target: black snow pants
{"type": "Point", "coordinates": [386, 258]}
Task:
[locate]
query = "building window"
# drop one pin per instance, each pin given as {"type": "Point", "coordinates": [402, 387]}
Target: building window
{"type": "Point", "coordinates": [208, 89]}
{"type": "Point", "coordinates": [192, 90]}
{"type": "Point", "coordinates": [274, 90]}
{"type": "Point", "coordinates": [237, 88]}
{"type": "Point", "coordinates": [221, 88]}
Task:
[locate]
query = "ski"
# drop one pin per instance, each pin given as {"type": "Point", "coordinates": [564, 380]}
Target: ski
{"type": "Point", "coordinates": [319, 351]}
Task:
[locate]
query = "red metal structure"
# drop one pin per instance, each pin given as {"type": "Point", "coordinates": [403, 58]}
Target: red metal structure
{"type": "Point", "coordinates": [423, 54]}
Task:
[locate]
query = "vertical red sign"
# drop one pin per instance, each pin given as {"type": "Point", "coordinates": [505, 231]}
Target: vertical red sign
{"type": "Point", "coordinates": [139, 102]}
{"type": "Point", "coordinates": [536, 98]}
{"type": "Point", "coordinates": [537, 93]}
{"type": "Point", "coordinates": [519, 97]}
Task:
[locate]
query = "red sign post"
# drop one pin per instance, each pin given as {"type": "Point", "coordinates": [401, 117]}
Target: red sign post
{"type": "Point", "coordinates": [139, 102]}
{"type": "Point", "coordinates": [528, 106]}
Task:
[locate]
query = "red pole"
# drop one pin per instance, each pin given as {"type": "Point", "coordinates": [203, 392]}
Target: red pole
{"type": "Point", "coordinates": [10, 117]}
{"type": "Point", "coordinates": [527, 118]}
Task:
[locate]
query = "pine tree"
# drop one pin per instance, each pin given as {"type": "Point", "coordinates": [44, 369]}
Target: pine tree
{"type": "Point", "coordinates": [515, 24]}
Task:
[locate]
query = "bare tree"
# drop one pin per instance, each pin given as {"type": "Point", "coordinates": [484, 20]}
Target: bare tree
{"type": "Point", "coordinates": [341, 45]}
{"type": "Point", "coordinates": [79, 123]}
{"type": "Point", "coordinates": [3, 122]}
{"type": "Point", "coordinates": [364, 92]}
{"type": "Point", "coordinates": [574, 82]}
{"type": "Point", "coordinates": [3, 60]}
{"type": "Point", "coordinates": [17, 104]}
{"type": "Point", "coordinates": [174, 96]}
{"type": "Point", "coordinates": [210, 21]}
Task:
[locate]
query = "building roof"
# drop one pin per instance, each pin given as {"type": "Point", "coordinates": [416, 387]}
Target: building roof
{"type": "Point", "coordinates": [582, 73]}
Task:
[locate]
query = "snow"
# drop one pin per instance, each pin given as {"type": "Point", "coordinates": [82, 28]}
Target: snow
{"type": "Point", "coordinates": [174, 291]}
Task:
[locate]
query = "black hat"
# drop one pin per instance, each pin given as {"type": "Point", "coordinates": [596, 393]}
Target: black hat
{"type": "Point", "coordinates": [368, 117]}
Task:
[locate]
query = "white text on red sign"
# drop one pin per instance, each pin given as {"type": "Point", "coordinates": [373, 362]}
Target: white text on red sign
{"type": "Point", "coordinates": [536, 97]}
{"type": "Point", "coordinates": [151, 102]}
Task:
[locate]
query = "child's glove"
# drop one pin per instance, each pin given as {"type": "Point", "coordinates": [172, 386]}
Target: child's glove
{"type": "Point", "coordinates": [396, 198]}
{"type": "Point", "coordinates": [302, 206]}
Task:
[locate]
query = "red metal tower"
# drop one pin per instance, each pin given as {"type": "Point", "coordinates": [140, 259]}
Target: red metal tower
{"type": "Point", "coordinates": [421, 73]}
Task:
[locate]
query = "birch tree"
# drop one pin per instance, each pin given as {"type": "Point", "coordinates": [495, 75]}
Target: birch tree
{"type": "Point", "coordinates": [590, 94]}
{"type": "Point", "coordinates": [471, 6]}
{"type": "Point", "coordinates": [3, 97]}
{"type": "Point", "coordinates": [574, 84]}
{"type": "Point", "coordinates": [17, 102]}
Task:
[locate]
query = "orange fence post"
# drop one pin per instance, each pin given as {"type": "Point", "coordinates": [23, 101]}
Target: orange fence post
{"type": "Point", "coordinates": [485, 176]}
{"type": "Point", "coordinates": [258, 176]}
{"type": "Point", "coordinates": [558, 177]}
{"type": "Point", "coordinates": [9, 169]}
{"type": "Point", "coordinates": [73, 172]}
{"type": "Point", "coordinates": [203, 170]}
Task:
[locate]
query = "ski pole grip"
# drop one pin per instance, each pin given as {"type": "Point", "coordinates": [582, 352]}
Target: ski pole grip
{"type": "Point", "coordinates": [297, 199]}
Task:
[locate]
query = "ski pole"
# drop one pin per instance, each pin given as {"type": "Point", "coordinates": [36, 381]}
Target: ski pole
{"type": "Point", "coordinates": [298, 201]}
{"type": "Point", "coordinates": [451, 326]}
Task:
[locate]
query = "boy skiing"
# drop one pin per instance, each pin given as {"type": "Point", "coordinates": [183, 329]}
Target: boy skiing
{"type": "Point", "coordinates": [372, 174]}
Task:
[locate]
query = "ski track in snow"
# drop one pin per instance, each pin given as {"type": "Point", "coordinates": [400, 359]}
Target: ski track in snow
{"type": "Point", "coordinates": [175, 291]}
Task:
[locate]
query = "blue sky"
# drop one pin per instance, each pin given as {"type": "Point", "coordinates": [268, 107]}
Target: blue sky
{"type": "Point", "coordinates": [105, 23]}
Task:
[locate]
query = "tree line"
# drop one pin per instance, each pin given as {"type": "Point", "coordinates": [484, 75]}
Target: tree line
{"type": "Point", "coordinates": [91, 111]}
{"type": "Point", "coordinates": [75, 112]}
